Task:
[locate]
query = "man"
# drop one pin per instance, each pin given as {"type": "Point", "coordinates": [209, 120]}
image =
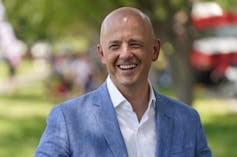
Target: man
{"type": "Point", "coordinates": [124, 117]}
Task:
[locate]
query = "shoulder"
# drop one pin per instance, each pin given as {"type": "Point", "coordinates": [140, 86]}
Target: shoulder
{"type": "Point", "coordinates": [81, 102]}
{"type": "Point", "coordinates": [84, 104]}
{"type": "Point", "coordinates": [172, 102]}
{"type": "Point", "coordinates": [177, 108]}
{"type": "Point", "coordinates": [76, 105]}
{"type": "Point", "coordinates": [183, 116]}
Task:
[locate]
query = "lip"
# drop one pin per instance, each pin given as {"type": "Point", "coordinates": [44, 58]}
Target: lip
{"type": "Point", "coordinates": [127, 66]}
{"type": "Point", "coordinates": [127, 69]}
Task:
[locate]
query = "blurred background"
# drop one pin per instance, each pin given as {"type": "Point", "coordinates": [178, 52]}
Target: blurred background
{"type": "Point", "coordinates": [48, 54]}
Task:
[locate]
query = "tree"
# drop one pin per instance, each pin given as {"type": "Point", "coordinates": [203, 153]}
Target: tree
{"type": "Point", "coordinates": [42, 19]}
{"type": "Point", "coordinates": [50, 19]}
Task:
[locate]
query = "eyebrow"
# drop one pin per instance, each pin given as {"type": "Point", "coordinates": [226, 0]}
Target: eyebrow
{"type": "Point", "coordinates": [129, 41]}
{"type": "Point", "coordinates": [136, 41]}
{"type": "Point", "coordinates": [114, 42]}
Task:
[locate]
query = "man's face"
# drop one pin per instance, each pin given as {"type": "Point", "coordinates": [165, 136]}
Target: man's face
{"type": "Point", "coordinates": [127, 49]}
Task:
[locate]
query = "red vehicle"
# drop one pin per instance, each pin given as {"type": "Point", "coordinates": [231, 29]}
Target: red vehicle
{"type": "Point", "coordinates": [214, 52]}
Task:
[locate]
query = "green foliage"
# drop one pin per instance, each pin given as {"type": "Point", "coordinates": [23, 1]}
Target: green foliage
{"type": "Point", "coordinates": [161, 13]}
{"type": "Point", "coordinates": [28, 18]}
{"type": "Point", "coordinates": [43, 19]}
{"type": "Point", "coordinates": [48, 19]}
{"type": "Point", "coordinates": [227, 5]}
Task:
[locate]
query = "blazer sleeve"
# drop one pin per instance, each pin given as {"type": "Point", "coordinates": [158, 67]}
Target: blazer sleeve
{"type": "Point", "coordinates": [54, 141]}
{"type": "Point", "coordinates": [202, 149]}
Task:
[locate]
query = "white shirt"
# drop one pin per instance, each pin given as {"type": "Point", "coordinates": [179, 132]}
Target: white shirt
{"type": "Point", "coordinates": [139, 137]}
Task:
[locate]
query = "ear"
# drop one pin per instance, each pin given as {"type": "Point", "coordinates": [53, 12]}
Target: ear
{"type": "Point", "coordinates": [156, 50]}
{"type": "Point", "coordinates": [101, 54]}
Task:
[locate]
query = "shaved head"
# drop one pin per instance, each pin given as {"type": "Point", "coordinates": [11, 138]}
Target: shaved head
{"type": "Point", "coordinates": [124, 14]}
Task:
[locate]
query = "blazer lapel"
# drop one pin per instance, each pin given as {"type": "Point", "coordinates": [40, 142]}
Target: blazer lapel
{"type": "Point", "coordinates": [164, 126]}
{"type": "Point", "coordinates": [108, 123]}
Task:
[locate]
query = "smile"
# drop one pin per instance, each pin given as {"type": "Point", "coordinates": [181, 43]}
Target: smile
{"type": "Point", "coordinates": [127, 66]}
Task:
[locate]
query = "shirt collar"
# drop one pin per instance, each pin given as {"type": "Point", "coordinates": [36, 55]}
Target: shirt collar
{"type": "Point", "coordinates": [115, 95]}
{"type": "Point", "coordinates": [117, 98]}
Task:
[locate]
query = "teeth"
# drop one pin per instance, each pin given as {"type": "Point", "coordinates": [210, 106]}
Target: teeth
{"type": "Point", "coordinates": [127, 66]}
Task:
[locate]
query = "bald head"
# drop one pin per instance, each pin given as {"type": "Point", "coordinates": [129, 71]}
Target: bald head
{"type": "Point", "coordinates": [123, 15]}
{"type": "Point", "coordinates": [127, 48]}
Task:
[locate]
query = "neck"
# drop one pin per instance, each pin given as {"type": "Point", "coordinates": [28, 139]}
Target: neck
{"type": "Point", "coordinates": [138, 98]}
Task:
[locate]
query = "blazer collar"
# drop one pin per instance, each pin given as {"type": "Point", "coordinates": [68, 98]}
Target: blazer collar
{"type": "Point", "coordinates": [109, 126]}
{"type": "Point", "coordinates": [108, 123]}
{"type": "Point", "coordinates": [164, 125]}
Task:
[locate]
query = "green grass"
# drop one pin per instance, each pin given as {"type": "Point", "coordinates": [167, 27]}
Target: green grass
{"type": "Point", "coordinates": [222, 135]}
{"type": "Point", "coordinates": [220, 123]}
{"type": "Point", "coordinates": [3, 70]}
{"type": "Point", "coordinates": [23, 113]}
{"type": "Point", "coordinates": [22, 120]}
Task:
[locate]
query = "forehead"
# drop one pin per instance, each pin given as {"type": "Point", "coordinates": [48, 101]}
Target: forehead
{"type": "Point", "coordinates": [123, 16]}
{"type": "Point", "coordinates": [124, 24]}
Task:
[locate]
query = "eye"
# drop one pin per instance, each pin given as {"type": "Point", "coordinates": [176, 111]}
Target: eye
{"type": "Point", "coordinates": [114, 46]}
{"type": "Point", "coordinates": [135, 45]}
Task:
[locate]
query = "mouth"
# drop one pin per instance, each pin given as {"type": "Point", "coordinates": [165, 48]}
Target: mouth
{"type": "Point", "coordinates": [127, 66]}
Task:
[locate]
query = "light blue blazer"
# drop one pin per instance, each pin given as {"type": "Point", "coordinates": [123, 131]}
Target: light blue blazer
{"type": "Point", "coordinates": [87, 127]}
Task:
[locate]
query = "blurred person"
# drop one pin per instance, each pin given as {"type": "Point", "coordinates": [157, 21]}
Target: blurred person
{"type": "Point", "coordinates": [11, 67]}
{"type": "Point", "coordinates": [83, 71]}
{"type": "Point", "coordinates": [61, 74]}
{"type": "Point", "coordinates": [125, 116]}
{"type": "Point", "coordinates": [12, 48]}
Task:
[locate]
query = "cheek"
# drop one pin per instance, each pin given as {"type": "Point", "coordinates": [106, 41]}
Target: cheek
{"type": "Point", "coordinates": [111, 58]}
{"type": "Point", "coordinates": [153, 56]}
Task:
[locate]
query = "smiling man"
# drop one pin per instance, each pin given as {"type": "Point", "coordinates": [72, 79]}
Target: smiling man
{"type": "Point", "coordinates": [124, 117]}
{"type": "Point", "coordinates": [127, 48]}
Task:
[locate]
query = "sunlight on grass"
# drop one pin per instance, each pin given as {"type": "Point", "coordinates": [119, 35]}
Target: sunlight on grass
{"type": "Point", "coordinates": [3, 70]}
{"type": "Point", "coordinates": [220, 124]}
{"type": "Point", "coordinates": [23, 112]}
{"type": "Point", "coordinates": [19, 137]}
{"type": "Point", "coordinates": [25, 102]}
{"type": "Point", "coordinates": [210, 107]}
{"type": "Point", "coordinates": [6, 127]}
{"type": "Point", "coordinates": [25, 66]}
{"type": "Point", "coordinates": [22, 119]}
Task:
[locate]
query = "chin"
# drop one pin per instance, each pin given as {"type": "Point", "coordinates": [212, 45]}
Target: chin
{"type": "Point", "coordinates": [127, 82]}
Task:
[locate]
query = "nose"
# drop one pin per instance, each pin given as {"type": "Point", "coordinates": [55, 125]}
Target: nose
{"type": "Point", "coordinates": [125, 53]}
